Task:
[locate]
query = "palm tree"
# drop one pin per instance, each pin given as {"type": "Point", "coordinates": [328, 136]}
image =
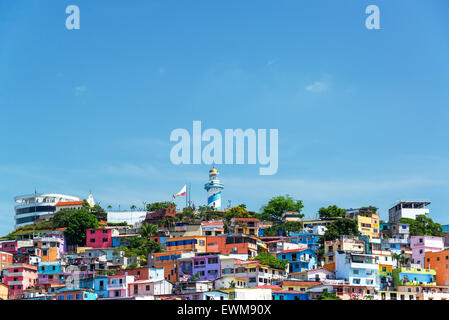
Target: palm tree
{"type": "Point", "coordinates": [109, 207]}
{"type": "Point", "coordinates": [400, 259]}
{"type": "Point", "coordinates": [148, 230]}
{"type": "Point", "coordinates": [133, 207]}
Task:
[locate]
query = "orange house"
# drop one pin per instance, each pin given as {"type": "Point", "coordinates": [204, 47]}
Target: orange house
{"type": "Point", "coordinates": [51, 248]}
{"type": "Point", "coordinates": [168, 261]}
{"type": "Point", "coordinates": [186, 244]}
{"type": "Point", "coordinates": [439, 261]}
{"type": "Point", "coordinates": [5, 260]}
{"type": "Point", "coordinates": [138, 273]}
{"type": "Point", "coordinates": [237, 243]}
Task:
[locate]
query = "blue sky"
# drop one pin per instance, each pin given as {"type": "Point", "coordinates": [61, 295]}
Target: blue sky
{"type": "Point", "coordinates": [362, 114]}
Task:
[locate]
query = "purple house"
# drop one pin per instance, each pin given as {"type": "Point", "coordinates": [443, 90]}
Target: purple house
{"type": "Point", "coordinates": [202, 267]}
{"type": "Point", "coordinates": [208, 267]}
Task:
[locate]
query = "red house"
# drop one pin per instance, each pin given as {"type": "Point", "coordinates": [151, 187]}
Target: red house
{"type": "Point", "coordinates": [10, 247]}
{"type": "Point", "coordinates": [100, 238]}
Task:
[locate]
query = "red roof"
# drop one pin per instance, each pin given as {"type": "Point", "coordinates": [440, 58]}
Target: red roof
{"type": "Point", "coordinates": [269, 286]}
{"type": "Point", "coordinates": [68, 203]}
{"type": "Point", "coordinates": [292, 250]}
{"type": "Point", "coordinates": [289, 291]}
{"type": "Point", "coordinates": [300, 283]}
{"type": "Point", "coordinates": [245, 219]}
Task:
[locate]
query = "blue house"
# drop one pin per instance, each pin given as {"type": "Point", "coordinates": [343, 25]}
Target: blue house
{"type": "Point", "coordinates": [101, 286]}
{"type": "Point", "coordinates": [289, 295]}
{"type": "Point", "coordinates": [299, 259]}
{"type": "Point", "coordinates": [70, 294]}
{"type": "Point", "coordinates": [310, 239]}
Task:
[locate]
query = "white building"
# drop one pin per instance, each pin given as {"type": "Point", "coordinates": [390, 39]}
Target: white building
{"type": "Point", "coordinates": [408, 209]}
{"type": "Point", "coordinates": [36, 206]}
{"type": "Point", "coordinates": [357, 268]}
{"type": "Point", "coordinates": [252, 294]}
{"type": "Point", "coordinates": [130, 217]}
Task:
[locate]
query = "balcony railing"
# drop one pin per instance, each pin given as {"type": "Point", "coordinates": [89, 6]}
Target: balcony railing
{"type": "Point", "coordinates": [116, 286]}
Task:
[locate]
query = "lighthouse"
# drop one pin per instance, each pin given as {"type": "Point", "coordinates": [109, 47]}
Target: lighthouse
{"type": "Point", "coordinates": [213, 188]}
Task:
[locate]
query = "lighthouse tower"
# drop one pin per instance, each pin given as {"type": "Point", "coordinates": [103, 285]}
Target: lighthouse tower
{"type": "Point", "coordinates": [213, 188]}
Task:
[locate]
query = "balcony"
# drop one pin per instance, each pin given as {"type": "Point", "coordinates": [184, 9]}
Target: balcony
{"type": "Point", "coordinates": [357, 265]}
{"type": "Point", "coordinates": [15, 274]}
{"type": "Point", "coordinates": [116, 286]}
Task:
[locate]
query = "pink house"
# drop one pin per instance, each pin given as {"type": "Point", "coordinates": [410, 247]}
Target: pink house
{"type": "Point", "coordinates": [20, 277]}
{"type": "Point", "coordinates": [9, 246]}
{"type": "Point", "coordinates": [422, 244]}
{"type": "Point", "coordinates": [118, 286]}
{"type": "Point", "coordinates": [100, 238]}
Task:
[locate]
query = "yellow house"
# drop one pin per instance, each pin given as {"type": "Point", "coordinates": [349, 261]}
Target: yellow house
{"type": "Point", "coordinates": [3, 291]}
{"type": "Point", "coordinates": [369, 225]}
{"type": "Point", "coordinates": [344, 243]}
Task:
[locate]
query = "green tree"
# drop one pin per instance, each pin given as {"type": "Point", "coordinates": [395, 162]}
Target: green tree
{"type": "Point", "coordinates": [423, 226]}
{"type": "Point", "coordinates": [159, 205]}
{"type": "Point", "coordinates": [148, 230]}
{"type": "Point", "coordinates": [270, 260]}
{"type": "Point", "coordinates": [347, 227]}
{"type": "Point", "coordinates": [78, 222]}
{"type": "Point", "coordinates": [287, 227]}
{"type": "Point", "coordinates": [369, 209]}
{"type": "Point", "coordinates": [340, 227]}
{"type": "Point", "coordinates": [325, 295]}
{"type": "Point", "coordinates": [331, 212]}
{"type": "Point", "coordinates": [278, 205]}
{"type": "Point", "coordinates": [61, 218]}
{"type": "Point", "coordinates": [133, 207]}
{"type": "Point", "coordinates": [237, 212]}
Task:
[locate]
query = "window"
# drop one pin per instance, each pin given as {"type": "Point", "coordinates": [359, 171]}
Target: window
{"type": "Point", "coordinates": [60, 297]}
{"type": "Point", "coordinates": [69, 297]}
{"type": "Point", "coordinates": [79, 296]}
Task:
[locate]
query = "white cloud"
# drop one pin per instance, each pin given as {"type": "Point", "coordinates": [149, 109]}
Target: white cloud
{"type": "Point", "coordinates": [80, 90]}
{"type": "Point", "coordinates": [317, 86]}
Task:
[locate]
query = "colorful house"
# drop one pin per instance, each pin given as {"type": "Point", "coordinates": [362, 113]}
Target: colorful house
{"type": "Point", "coordinates": [5, 260]}
{"type": "Point", "coordinates": [101, 286]}
{"type": "Point", "coordinates": [49, 272]}
{"type": "Point", "coordinates": [344, 243]}
{"type": "Point", "coordinates": [118, 286]}
{"type": "Point", "coordinates": [248, 226]}
{"type": "Point", "coordinates": [356, 268]}
{"type": "Point", "coordinates": [232, 244]}
{"type": "Point", "coordinates": [166, 260]}
{"type": "Point", "coordinates": [299, 259]}
{"type": "Point", "coordinates": [422, 244]}
{"type": "Point", "coordinates": [212, 228]}
{"type": "Point", "coordinates": [289, 295]}
{"type": "Point", "coordinates": [100, 238]}
{"type": "Point", "coordinates": [257, 274]}
{"type": "Point", "coordinates": [439, 261]}
{"type": "Point", "coordinates": [204, 267]}
{"type": "Point", "coordinates": [308, 238]}
{"type": "Point", "coordinates": [4, 292]}
{"type": "Point", "coordinates": [68, 294]}
{"type": "Point", "coordinates": [414, 277]}
{"type": "Point", "coordinates": [20, 277]}
{"type": "Point", "coordinates": [52, 247]}
{"type": "Point", "coordinates": [186, 244]}
{"type": "Point", "coordinates": [369, 225]}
